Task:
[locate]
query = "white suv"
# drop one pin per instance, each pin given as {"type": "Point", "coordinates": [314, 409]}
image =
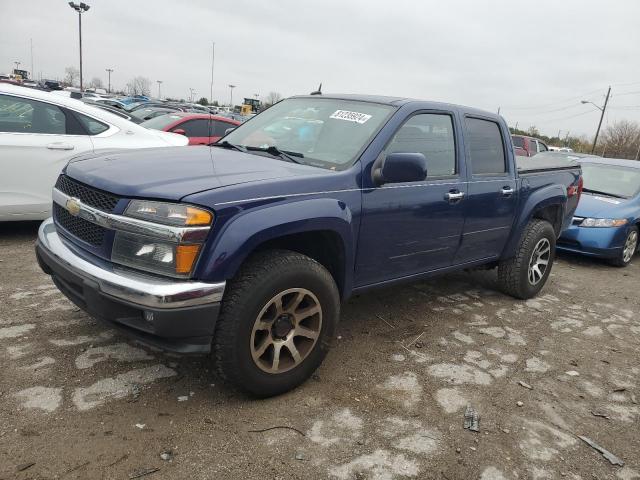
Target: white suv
{"type": "Point", "coordinates": [39, 132]}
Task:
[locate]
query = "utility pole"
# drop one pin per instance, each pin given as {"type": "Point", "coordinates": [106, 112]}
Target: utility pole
{"type": "Point", "coordinates": [638, 152]}
{"type": "Point", "coordinates": [80, 8]}
{"type": "Point", "coordinates": [231, 87]}
{"type": "Point", "coordinates": [32, 71]}
{"type": "Point", "coordinates": [109, 70]}
{"type": "Point", "coordinates": [213, 56]}
{"type": "Point", "coordinates": [602, 110]}
{"type": "Point", "coordinates": [159, 82]}
{"type": "Point", "coordinates": [17, 64]}
{"type": "Point", "coordinates": [191, 92]}
{"type": "Point", "coordinates": [498, 110]}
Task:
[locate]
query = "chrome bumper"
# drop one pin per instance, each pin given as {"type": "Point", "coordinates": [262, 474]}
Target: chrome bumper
{"type": "Point", "coordinates": [138, 288]}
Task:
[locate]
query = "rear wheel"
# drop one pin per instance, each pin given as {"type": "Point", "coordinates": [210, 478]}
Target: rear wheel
{"type": "Point", "coordinates": [276, 324]}
{"type": "Point", "coordinates": [628, 250]}
{"type": "Point", "coordinates": [524, 275]}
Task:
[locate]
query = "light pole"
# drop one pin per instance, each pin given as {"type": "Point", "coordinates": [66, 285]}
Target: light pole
{"type": "Point", "coordinates": [17, 64]}
{"type": "Point", "coordinates": [80, 8]}
{"type": "Point", "coordinates": [231, 87]}
{"type": "Point", "coordinates": [213, 56]}
{"type": "Point", "coordinates": [191, 92]}
{"type": "Point", "coordinates": [109, 70]}
{"type": "Point", "coordinates": [602, 109]}
{"type": "Point", "coordinates": [159, 82]}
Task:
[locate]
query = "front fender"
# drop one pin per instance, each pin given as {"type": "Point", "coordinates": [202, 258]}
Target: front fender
{"type": "Point", "coordinates": [229, 246]}
{"type": "Point", "coordinates": [550, 195]}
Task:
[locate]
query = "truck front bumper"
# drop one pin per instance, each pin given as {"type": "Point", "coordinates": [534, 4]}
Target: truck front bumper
{"type": "Point", "coordinates": [174, 315]}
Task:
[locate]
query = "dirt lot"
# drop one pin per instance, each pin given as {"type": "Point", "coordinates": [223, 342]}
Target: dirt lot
{"type": "Point", "coordinates": [79, 401]}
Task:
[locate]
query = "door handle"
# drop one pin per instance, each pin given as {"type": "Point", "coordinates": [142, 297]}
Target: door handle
{"type": "Point", "coordinates": [507, 191]}
{"type": "Point", "coordinates": [454, 196]}
{"type": "Point", "coordinates": [60, 146]}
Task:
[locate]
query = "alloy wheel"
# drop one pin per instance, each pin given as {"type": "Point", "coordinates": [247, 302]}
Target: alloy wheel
{"type": "Point", "coordinates": [539, 261]}
{"type": "Point", "coordinates": [630, 247]}
{"type": "Point", "coordinates": [286, 330]}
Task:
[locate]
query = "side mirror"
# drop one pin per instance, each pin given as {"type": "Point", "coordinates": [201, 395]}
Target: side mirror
{"type": "Point", "coordinates": [179, 131]}
{"type": "Point", "coordinates": [400, 168]}
{"type": "Point", "coordinates": [229, 130]}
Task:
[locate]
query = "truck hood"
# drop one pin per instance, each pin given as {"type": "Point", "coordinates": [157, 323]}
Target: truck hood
{"type": "Point", "coordinates": [172, 173]}
{"type": "Point", "coordinates": [599, 206]}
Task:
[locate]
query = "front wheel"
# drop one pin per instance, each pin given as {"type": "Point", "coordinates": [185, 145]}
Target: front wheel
{"type": "Point", "coordinates": [276, 324]}
{"type": "Point", "coordinates": [628, 250]}
{"type": "Point", "coordinates": [524, 275]}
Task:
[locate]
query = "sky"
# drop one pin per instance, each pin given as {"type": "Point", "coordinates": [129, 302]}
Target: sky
{"type": "Point", "coordinates": [533, 60]}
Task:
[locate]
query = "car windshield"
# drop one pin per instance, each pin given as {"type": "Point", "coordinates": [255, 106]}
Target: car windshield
{"type": "Point", "coordinates": [323, 132]}
{"type": "Point", "coordinates": [611, 180]}
{"type": "Point", "coordinates": [161, 122]}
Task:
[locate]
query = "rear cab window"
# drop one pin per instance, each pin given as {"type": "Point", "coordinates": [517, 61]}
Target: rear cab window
{"type": "Point", "coordinates": [485, 147]}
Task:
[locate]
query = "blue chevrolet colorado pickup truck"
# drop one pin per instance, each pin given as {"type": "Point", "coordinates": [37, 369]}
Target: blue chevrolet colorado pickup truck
{"type": "Point", "coordinates": [246, 249]}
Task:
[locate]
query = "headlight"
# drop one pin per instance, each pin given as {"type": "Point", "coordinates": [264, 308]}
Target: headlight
{"type": "Point", "coordinates": [159, 255]}
{"type": "Point", "coordinates": [169, 213]}
{"type": "Point", "coordinates": [603, 222]}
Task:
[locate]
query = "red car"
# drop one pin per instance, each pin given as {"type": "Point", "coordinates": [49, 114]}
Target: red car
{"type": "Point", "coordinates": [200, 128]}
{"type": "Point", "coordinates": [526, 146]}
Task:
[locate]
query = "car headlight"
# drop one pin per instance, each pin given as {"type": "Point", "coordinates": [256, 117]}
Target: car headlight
{"type": "Point", "coordinates": [158, 255]}
{"type": "Point", "coordinates": [168, 213]}
{"type": "Point", "coordinates": [603, 222]}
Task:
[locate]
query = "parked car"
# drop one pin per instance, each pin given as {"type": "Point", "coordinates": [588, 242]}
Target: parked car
{"type": "Point", "coordinates": [115, 111]}
{"type": "Point", "coordinates": [198, 128]}
{"type": "Point", "coordinates": [260, 241]}
{"type": "Point", "coordinates": [607, 220]}
{"type": "Point", "coordinates": [528, 146]}
{"type": "Point", "coordinates": [148, 113]}
{"type": "Point", "coordinates": [111, 102]}
{"type": "Point", "coordinates": [51, 84]}
{"type": "Point", "coordinates": [560, 149]}
{"type": "Point", "coordinates": [40, 131]}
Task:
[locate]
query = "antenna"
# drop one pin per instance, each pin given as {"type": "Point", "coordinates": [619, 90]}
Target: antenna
{"type": "Point", "coordinates": [319, 91]}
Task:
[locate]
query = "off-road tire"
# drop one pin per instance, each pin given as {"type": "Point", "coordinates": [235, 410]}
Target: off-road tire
{"type": "Point", "coordinates": [619, 261]}
{"type": "Point", "coordinates": [513, 274]}
{"type": "Point", "coordinates": [261, 277]}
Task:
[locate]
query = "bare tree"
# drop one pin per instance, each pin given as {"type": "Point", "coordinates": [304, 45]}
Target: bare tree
{"type": "Point", "coordinates": [272, 98]}
{"type": "Point", "coordinates": [621, 140]}
{"type": "Point", "coordinates": [139, 86]}
{"type": "Point", "coordinates": [71, 74]}
{"type": "Point", "coordinates": [96, 82]}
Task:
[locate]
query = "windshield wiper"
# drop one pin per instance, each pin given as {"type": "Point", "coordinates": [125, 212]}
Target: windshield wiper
{"type": "Point", "coordinates": [225, 144]}
{"type": "Point", "coordinates": [276, 152]}
{"type": "Point", "coordinates": [598, 192]}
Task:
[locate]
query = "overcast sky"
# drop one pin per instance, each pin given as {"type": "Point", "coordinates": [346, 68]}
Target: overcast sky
{"type": "Point", "coordinates": [535, 60]}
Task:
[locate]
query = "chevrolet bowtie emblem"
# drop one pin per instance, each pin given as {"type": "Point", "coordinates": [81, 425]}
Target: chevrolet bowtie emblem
{"type": "Point", "coordinates": [73, 206]}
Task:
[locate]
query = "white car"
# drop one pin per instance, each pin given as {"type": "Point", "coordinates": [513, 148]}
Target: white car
{"type": "Point", "coordinates": [39, 132]}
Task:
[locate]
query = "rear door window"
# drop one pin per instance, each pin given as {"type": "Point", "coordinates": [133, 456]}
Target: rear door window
{"type": "Point", "coordinates": [22, 115]}
{"type": "Point", "coordinates": [194, 128]}
{"type": "Point", "coordinates": [486, 149]}
{"type": "Point", "coordinates": [532, 146]}
{"type": "Point", "coordinates": [542, 147]}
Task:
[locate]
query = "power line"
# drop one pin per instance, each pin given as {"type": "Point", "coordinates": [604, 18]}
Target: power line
{"type": "Point", "coordinates": [557, 102]}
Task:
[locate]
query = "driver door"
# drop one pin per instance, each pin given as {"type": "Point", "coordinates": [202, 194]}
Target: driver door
{"type": "Point", "coordinates": [415, 227]}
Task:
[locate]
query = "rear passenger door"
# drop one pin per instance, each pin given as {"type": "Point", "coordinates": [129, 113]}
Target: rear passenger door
{"type": "Point", "coordinates": [196, 130]}
{"type": "Point", "coordinates": [491, 201]}
{"type": "Point", "coordinates": [36, 140]}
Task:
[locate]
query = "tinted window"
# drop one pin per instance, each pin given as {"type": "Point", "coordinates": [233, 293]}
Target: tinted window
{"type": "Point", "coordinates": [485, 147]}
{"type": "Point", "coordinates": [194, 128]}
{"type": "Point", "coordinates": [542, 147]}
{"type": "Point", "coordinates": [29, 116]}
{"type": "Point", "coordinates": [432, 135]}
{"type": "Point", "coordinates": [93, 127]}
{"type": "Point", "coordinates": [219, 128]}
{"type": "Point", "coordinates": [518, 142]}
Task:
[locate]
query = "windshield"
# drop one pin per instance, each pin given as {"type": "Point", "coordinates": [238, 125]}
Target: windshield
{"type": "Point", "coordinates": [611, 179]}
{"type": "Point", "coordinates": [329, 133]}
{"type": "Point", "coordinates": [161, 122]}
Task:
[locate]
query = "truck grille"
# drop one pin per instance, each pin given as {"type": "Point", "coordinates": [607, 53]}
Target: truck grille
{"type": "Point", "coordinates": [79, 227]}
{"type": "Point", "coordinates": [91, 196]}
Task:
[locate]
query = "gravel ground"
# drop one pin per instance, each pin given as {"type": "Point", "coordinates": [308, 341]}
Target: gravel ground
{"type": "Point", "coordinates": [80, 401]}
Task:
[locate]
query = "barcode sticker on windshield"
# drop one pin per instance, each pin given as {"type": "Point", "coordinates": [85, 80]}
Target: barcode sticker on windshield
{"type": "Point", "coordinates": [350, 116]}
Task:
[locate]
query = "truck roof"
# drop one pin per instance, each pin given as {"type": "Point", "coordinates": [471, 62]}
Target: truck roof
{"type": "Point", "coordinates": [398, 102]}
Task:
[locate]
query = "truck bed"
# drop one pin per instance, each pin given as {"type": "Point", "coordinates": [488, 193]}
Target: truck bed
{"type": "Point", "coordinates": [546, 161]}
